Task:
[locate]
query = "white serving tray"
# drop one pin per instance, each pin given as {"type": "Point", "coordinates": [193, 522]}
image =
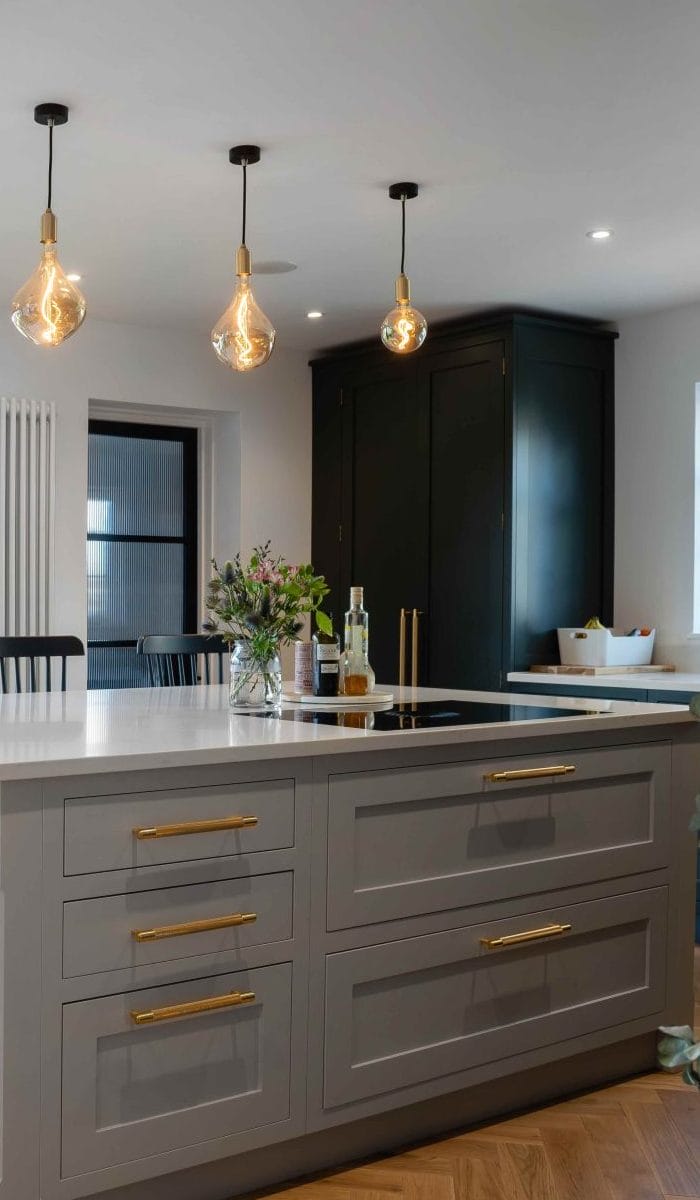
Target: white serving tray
{"type": "Point", "coordinates": [373, 700]}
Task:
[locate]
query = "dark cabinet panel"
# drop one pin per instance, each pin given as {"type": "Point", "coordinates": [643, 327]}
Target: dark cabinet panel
{"type": "Point", "coordinates": [327, 447]}
{"type": "Point", "coordinates": [388, 542]}
{"type": "Point", "coordinates": [466, 518]}
{"type": "Point", "coordinates": [562, 517]}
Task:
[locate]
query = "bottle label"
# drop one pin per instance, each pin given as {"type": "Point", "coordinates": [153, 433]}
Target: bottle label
{"type": "Point", "coordinates": [329, 668]}
{"type": "Point", "coordinates": [327, 653]}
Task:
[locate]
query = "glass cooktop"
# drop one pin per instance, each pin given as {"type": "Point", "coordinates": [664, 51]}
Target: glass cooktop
{"type": "Point", "coordinates": [426, 714]}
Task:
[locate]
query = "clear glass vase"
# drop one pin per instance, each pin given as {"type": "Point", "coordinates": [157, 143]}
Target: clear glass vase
{"type": "Point", "coordinates": [254, 684]}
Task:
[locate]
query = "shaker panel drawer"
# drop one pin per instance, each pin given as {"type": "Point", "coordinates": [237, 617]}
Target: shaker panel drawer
{"type": "Point", "coordinates": [132, 1090]}
{"type": "Point", "coordinates": [423, 839]}
{"type": "Point", "coordinates": [141, 829]}
{"type": "Point", "coordinates": [139, 928]}
{"type": "Point", "coordinates": [402, 1013]}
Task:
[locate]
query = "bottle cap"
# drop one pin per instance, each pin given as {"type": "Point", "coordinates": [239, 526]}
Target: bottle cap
{"type": "Point", "coordinates": [356, 595]}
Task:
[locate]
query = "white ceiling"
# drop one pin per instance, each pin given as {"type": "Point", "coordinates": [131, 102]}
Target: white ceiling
{"type": "Point", "coordinates": [526, 122]}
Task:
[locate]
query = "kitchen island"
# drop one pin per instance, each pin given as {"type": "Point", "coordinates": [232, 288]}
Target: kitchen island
{"type": "Point", "coordinates": [239, 948]}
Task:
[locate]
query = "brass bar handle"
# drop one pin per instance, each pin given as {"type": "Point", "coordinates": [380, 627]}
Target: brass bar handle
{"type": "Point", "coordinates": [530, 935]}
{"type": "Point", "coordinates": [402, 647]}
{"type": "Point", "coordinates": [529, 773]}
{"type": "Point", "coordinates": [182, 827]}
{"type": "Point", "coordinates": [168, 931]}
{"type": "Point", "coordinates": [416, 615]}
{"type": "Point", "coordinates": [211, 1004]}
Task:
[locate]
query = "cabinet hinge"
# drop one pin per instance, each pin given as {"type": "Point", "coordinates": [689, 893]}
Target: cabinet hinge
{"type": "Point", "coordinates": [340, 398]}
{"type": "Point", "coordinates": [503, 366]}
{"type": "Point", "coordinates": [340, 533]}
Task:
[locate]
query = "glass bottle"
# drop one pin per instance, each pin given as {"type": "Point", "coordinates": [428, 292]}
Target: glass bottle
{"type": "Point", "coordinates": [358, 676]}
{"type": "Point", "coordinates": [326, 663]}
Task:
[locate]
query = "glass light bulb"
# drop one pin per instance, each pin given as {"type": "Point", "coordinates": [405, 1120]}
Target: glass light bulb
{"type": "Point", "coordinates": [243, 337]}
{"type": "Point", "coordinates": [404, 329]}
{"type": "Point", "coordinates": [49, 308]}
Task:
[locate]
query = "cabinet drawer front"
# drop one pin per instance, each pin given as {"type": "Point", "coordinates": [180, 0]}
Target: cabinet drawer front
{"type": "Point", "coordinates": [100, 830]}
{"type": "Point", "coordinates": [402, 1013]}
{"type": "Point", "coordinates": [130, 1091]}
{"type": "Point", "coordinates": [423, 839]}
{"type": "Point", "coordinates": [101, 934]}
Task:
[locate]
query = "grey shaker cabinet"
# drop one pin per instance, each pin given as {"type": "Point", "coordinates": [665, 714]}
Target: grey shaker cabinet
{"type": "Point", "coordinates": [100, 934]}
{"type": "Point", "coordinates": [131, 1091]}
{"type": "Point", "coordinates": [374, 877]}
{"type": "Point", "coordinates": [99, 830]}
{"type": "Point", "coordinates": [403, 1012]}
{"type": "Point", "coordinates": [457, 838]}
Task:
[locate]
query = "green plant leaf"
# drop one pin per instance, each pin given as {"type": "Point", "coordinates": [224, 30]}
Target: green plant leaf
{"type": "Point", "coordinates": [324, 622]}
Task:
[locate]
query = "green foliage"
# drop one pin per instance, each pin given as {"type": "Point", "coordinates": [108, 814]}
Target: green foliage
{"type": "Point", "coordinates": [324, 622]}
{"type": "Point", "coordinates": [263, 601]}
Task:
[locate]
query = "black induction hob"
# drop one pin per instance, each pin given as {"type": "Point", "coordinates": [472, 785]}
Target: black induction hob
{"type": "Point", "coordinates": [426, 714]}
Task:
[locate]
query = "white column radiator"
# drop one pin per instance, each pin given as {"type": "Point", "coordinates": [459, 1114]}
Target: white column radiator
{"type": "Point", "coordinates": [27, 466]}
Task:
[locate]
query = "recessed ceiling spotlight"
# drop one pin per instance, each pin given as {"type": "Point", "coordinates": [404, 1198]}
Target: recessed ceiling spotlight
{"type": "Point", "coordinates": [599, 235]}
{"type": "Point", "coordinates": [74, 277]}
{"type": "Point", "coordinates": [314, 314]}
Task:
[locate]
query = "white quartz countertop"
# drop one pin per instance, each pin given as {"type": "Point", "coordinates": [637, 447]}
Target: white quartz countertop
{"type": "Point", "coordinates": [657, 681]}
{"type": "Point", "coordinates": [54, 733]}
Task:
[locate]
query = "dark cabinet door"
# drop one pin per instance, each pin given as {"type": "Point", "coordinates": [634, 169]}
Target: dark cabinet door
{"type": "Point", "coordinates": [386, 478]}
{"type": "Point", "coordinates": [465, 626]}
{"type": "Point", "coordinates": [563, 481]}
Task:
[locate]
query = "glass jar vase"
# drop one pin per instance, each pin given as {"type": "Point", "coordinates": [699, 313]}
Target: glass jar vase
{"type": "Point", "coordinates": [254, 684]}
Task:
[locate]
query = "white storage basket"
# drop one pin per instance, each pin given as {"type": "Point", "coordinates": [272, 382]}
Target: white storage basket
{"type": "Point", "coordinates": [604, 648]}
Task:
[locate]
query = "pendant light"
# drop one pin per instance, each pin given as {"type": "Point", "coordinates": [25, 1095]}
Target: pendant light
{"type": "Point", "coordinates": [49, 308]}
{"type": "Point", "coordinates": [243, 337]}
{"type": "Point", "coordinates": [403, 329]}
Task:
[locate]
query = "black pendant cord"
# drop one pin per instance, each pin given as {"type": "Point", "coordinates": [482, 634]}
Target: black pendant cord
{"type": "Point", "coordinates": [50, 162]}
{"type": "Point", "coordinates": [244, 164]}
{"type": "Point", "coordinates": [403, 233]}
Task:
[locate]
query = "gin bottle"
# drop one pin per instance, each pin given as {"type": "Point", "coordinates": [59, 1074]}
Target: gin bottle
{"type": "Point", "coordinates": [358, 676]}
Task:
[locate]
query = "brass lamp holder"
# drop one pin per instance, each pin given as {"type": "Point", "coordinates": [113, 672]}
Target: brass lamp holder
{"type": "Point", "coordinates": [50, 113]}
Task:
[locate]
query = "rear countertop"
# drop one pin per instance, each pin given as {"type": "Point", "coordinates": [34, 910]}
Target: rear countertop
{"type": "Point", "coordinates": [652, 681]}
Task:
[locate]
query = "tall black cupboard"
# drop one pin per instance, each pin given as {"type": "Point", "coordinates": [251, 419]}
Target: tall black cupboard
{"type": "Point", "coordinates": [471, 482]}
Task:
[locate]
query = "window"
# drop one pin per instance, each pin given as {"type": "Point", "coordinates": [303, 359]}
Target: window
{"type": "Point", "coordinates": [141, 543]}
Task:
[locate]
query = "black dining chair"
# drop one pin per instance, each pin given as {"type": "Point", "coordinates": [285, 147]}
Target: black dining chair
{"type": "Point", "coordinates": [172, 657]}
{"type": "Point", "coordinates": [31, 651]}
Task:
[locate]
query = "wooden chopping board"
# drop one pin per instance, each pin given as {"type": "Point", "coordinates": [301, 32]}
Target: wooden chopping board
{"type": "Point", "coordinates": [558, 669]}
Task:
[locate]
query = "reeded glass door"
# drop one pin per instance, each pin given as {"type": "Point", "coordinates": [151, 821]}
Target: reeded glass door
{"type": "Point", "coordinates": [141, 544]}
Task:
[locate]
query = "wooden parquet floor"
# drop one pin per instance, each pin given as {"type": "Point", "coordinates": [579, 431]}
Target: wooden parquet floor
{"type": "Point", "coordinates": [638, 1140]}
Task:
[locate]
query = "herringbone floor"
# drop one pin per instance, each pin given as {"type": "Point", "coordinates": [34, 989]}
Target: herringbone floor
{"type": "Point", "coordinates": [638, 1140]}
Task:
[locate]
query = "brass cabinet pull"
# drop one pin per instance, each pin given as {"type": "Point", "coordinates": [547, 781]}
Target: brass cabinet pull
{"type": "Point", "coordinates": [530, 935]}
{"type": "Point", "coordinates": [414, 647]}
{"type": "Point", "coordinates": [402, 647]}
{"type": "Point", "coordinates": [182, 827]}
{"type": "Point", "coordinates": [528, 773]}
{"type": "Point", "coordinates": [211, 1004]}
{"type": "Point", "coordinates": [168, 931]}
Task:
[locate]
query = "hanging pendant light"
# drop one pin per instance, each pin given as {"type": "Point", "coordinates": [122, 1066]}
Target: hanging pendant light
{"type": "Point", "coordinates": [403, 329]}
{"type": "Point", "coordinates": [49, 308]}
{"type": "Point", "coordinates": [243, 337]}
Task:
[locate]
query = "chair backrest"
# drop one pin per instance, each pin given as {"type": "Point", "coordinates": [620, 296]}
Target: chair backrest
{"type": "Point", "coordinates": [172, 658]}
{"type": "Point", "coordinates": [14, 650]}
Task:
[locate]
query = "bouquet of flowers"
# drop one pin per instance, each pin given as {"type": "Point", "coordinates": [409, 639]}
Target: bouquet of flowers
{"type": "Point", "coordinates": [262, 602]}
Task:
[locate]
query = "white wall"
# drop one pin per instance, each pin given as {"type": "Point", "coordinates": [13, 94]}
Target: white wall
{"type": "Point", "coordinates": [262, 480]}
{"type": "Point", "coordinates": [658, 365]}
